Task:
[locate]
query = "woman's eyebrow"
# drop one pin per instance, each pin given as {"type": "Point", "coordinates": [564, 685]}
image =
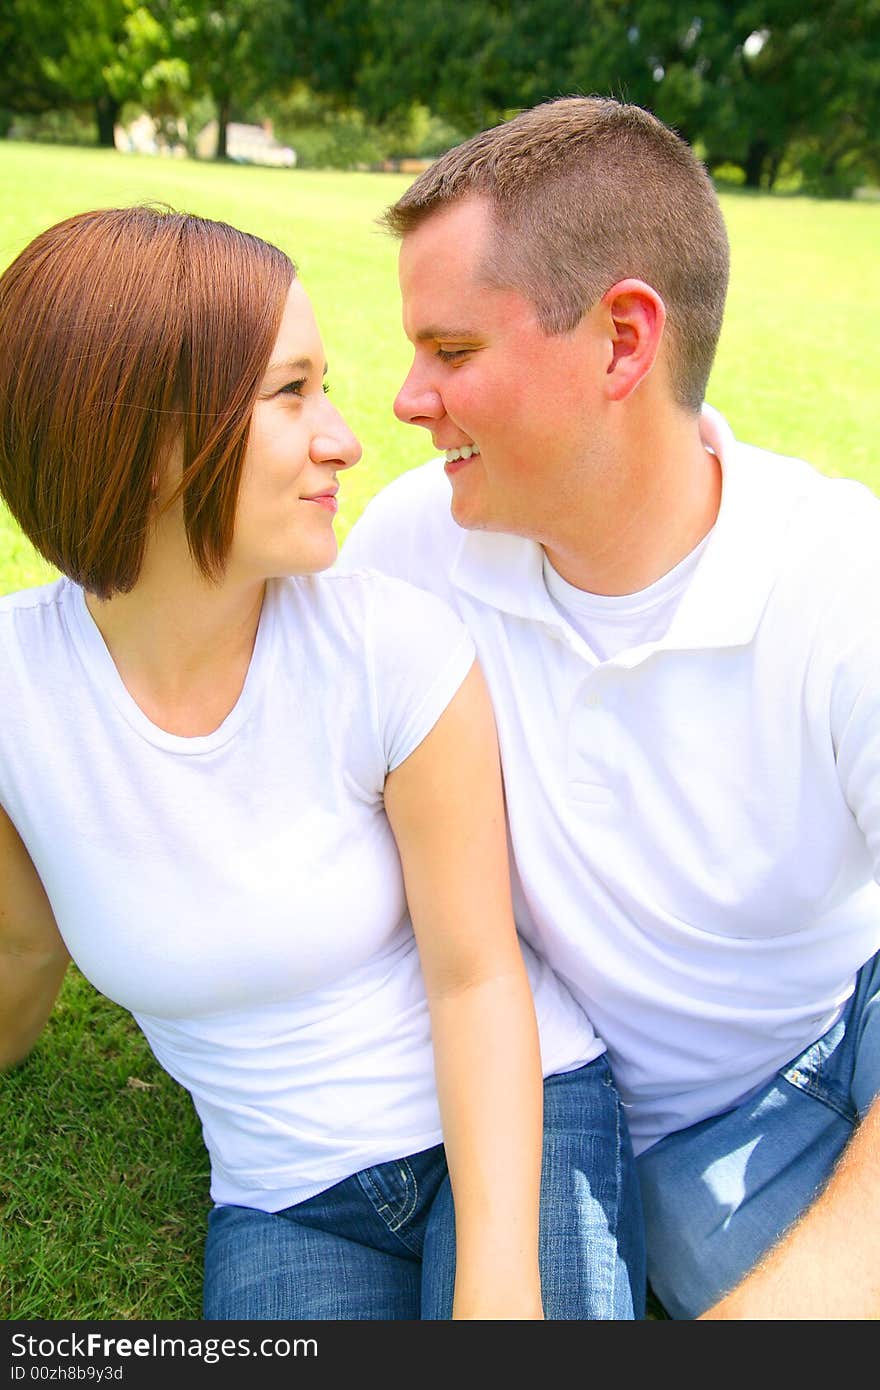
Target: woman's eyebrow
{"type": "Point", "coordinates": [298, 364]}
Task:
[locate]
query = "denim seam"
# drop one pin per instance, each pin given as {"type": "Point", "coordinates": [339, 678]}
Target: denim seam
{"type": "Point", "coordinates": [406, 1216]}
{"type": "Point", "coordinates": [383, 1208]}
{"type": "Point", "coordinates": [618, 1176]}
{"type": "Point", "coordinates": [377, 1201]}
{"type": "Point", "coordinates": [810, 1086]}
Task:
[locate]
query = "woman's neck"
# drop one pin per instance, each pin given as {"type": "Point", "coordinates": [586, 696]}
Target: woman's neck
{"type": "Point", "coordinates": [182, 645]}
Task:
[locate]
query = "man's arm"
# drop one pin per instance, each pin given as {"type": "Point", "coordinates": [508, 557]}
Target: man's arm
{"type": "Point", "coordinates": [828, 1265]}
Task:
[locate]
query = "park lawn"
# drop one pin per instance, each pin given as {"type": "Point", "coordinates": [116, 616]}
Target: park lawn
{"type": "Point", "coordinates": [103, 1177]}
{"type": "Point", "coordinates": [798, 362]}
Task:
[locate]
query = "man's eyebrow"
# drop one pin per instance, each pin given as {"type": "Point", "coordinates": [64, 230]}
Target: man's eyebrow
{"type": "Point", "coordinates": [438, 332]}
{"type": "Point", "coordinates": [299, 364]}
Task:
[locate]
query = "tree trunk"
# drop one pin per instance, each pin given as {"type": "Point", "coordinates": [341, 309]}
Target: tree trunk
{"type": "Point", "coordinates": [107, 110]}
{"type": "Point", "coordinates": [222, 123]}
{"type": "Point", "coordinates": [773, 170]}
{"type": "Point", "coordinates": [754, 162]}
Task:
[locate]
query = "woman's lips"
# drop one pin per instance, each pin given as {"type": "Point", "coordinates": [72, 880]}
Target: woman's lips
{"type": "Point", "coordinates": [327, 500]}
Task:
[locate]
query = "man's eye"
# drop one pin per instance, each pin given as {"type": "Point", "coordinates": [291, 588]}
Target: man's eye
{"type": "Point", "coordinates": [452, 354]}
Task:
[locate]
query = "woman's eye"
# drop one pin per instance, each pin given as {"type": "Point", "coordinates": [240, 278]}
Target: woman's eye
{"type": "Point", "coordinates": [298, 388]}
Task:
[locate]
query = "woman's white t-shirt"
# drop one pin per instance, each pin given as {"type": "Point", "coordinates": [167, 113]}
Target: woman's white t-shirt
{"type": "Point", "coordinates": [241, 892]}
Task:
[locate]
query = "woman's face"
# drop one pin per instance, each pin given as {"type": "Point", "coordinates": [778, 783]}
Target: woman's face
{"type": "Point", "coordinates": [297, 445]}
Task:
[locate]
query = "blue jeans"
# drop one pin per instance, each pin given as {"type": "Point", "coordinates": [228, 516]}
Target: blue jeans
{"type": "Point", "coordinates": [718, 1195]}
{"type": "Point", "coordinates": [381, 1244]}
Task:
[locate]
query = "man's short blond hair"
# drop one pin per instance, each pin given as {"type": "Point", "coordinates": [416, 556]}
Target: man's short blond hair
{"type": "Point", "coordinates": [585, 192]}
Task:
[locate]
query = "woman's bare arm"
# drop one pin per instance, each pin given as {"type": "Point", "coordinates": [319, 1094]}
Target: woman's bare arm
{"type": "Point", "coordinates": [445, 805]}
{"type": "Point", "coordinates": [33, 958]}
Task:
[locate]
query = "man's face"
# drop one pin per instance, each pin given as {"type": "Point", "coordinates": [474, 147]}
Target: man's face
{"type": "Point", "coordinates": [512, 406]}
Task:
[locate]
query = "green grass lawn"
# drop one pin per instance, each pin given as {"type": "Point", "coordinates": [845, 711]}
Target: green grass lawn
{"type": "Point", "coordinates": [103, 1178]}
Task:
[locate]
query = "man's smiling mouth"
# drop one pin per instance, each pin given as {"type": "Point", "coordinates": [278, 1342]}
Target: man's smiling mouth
{"type": "Point", "coordinates": [466, 452]}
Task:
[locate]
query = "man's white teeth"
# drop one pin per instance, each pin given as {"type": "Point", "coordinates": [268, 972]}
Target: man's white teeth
{"type": "Point", "coordinates": [467, 452]}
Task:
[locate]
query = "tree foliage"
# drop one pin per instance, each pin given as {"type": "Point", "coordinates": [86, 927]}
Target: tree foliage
{"type": "Point", "coordinates": [68, 53]}
{"type": "Point", "coordinates": [235, 51]}
{"type": "Point", "coordinates": [763, 84]}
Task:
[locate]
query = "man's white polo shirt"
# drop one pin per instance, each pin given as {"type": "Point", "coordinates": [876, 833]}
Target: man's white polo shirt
{"type": "Point", "coordinates": [695, 822]}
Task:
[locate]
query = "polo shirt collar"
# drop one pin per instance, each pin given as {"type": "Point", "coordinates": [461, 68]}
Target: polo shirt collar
{"type": "Point", "coordinates": [505, 572]}
{"type": "Point", "coordinates": [731, 584]}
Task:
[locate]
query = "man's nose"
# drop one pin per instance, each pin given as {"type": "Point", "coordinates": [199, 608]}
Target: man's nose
{"type": "Point", "coordinates": [418, 402]}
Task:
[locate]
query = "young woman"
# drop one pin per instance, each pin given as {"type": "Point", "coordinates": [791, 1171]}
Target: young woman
{"type": "Point", "coordinates": [261, 806]}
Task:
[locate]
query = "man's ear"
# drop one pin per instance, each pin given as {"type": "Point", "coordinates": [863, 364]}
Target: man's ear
{"type": "Point", "coordinates": [635, 317]}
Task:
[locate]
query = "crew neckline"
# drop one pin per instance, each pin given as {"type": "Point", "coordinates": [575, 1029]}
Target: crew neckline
{"type": "Point", "coordinates": [101, 667]}
{"type": "Point", "coordinates": [624, 605]}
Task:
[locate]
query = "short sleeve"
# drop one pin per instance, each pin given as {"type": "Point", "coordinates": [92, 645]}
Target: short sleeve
{"type": "Point", "coordinates": [421, 654]}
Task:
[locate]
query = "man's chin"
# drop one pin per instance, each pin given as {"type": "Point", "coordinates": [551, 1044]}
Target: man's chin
{"type": "Point", "coordinates": [466, 515]}
{"type": "Point", "coordinates": [467, 507]}
{"type": "Point", "coordinates": [469, 521]}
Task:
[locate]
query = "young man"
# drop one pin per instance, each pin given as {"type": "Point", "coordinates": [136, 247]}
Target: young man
{"type": "Point", "coordinates": [680, 635]}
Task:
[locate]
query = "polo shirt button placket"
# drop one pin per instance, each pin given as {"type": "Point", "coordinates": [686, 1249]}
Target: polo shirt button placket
{"type": "Point", "coordinates": [589, 760]}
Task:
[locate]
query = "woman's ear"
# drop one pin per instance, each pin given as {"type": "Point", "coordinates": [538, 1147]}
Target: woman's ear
{"type": "Point", "coordinates": [635, 317]}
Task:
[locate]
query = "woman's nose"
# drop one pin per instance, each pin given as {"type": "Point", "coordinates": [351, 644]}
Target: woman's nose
{"type": "Point", "coordinates": [335, 442]}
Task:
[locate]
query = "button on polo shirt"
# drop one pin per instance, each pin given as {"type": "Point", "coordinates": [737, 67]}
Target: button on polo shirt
{"type": "Point", "coordinates": [695, 821]}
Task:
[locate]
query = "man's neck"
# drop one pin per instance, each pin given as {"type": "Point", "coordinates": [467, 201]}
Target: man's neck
{"type": "Point", "coordinates": [655, 506]}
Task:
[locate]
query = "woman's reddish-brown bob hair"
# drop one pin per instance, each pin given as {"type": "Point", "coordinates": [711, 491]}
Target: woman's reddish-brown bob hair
{"type": "Point", "coordinates": [122, 333]}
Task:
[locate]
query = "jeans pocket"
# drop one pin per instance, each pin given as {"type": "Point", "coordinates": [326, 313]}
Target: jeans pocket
{"type": "Point", "coordinates": [402, 1193]}
{"type": "Point", "coordinates": [393, 1191]}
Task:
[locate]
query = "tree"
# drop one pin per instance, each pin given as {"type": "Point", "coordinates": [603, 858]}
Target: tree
{"type": "Point", "coordinates": [24, 86]}
{"type": "Point", "coordinates": [765, 84]}
{"type": "Point", "coordinates": [234, 51]}
{"type": "Point", "coordinates": [769, 83]}
{"type": "Point", "coordinates": [73, 54]}
{"type": "Point", "coordinates": [102, 53]}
